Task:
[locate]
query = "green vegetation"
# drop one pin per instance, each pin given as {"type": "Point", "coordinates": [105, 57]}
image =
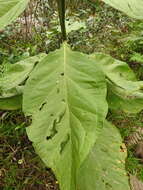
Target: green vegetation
{"type": "Point", "coordinates": [91, 28]}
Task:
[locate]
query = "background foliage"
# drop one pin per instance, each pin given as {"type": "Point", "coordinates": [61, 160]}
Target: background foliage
{"type": "Point", "coordinates": [103, 30]}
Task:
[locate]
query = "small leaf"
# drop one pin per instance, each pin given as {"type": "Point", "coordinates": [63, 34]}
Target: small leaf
{"type": "Point", "coordinates": [73, 25]}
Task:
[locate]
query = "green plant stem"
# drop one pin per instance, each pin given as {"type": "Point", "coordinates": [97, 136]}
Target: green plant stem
{"type": "Point", "coordinates": [61, 9]}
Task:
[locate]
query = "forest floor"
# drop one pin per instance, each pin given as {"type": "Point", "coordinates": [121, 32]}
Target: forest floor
{"type": "Point", "coordinates": [103, 30]}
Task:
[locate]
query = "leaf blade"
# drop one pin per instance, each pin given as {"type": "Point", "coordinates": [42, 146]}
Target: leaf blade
{"type": "Point", "coordinates": [14, 75]}
{"type": "Point", "coordinates": [124, 91]}
{"type": "Point", "coordinates": [12, 103]}
{"type": "Point", "coordinates": [66, 96]}
{"type": "Point", "coordinates": [133, 8]}
{"type": "Point", "coordinates": [104, 168]}
{"type": "Point", "coordinates": [10, 10]}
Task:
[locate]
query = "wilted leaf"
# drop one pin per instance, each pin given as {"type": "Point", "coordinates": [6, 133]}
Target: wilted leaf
{"type": "Point", "coordinates": [65, 95]}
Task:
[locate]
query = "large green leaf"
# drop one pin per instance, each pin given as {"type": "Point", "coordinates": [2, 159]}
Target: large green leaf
{"type": "Point", "coordinates": [124, 92]}
{"type": "Point", "coordinates": [133, 8]}
{"type": "Point", "coordinates": [104, 168]}
{"type": "Point", "coordinates": [14, 75]}
{"type": "Point", "coordinates": [66, 96]}
{"type": "Point", "coordinates": [10, 10]}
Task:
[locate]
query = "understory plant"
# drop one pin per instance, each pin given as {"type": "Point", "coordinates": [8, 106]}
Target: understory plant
{"type": "Point", "coordinates": [67, 95]}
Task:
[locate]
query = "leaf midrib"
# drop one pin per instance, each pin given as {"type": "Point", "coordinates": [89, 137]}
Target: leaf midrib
{"type": "Point", "coordinates": [67, 105]}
